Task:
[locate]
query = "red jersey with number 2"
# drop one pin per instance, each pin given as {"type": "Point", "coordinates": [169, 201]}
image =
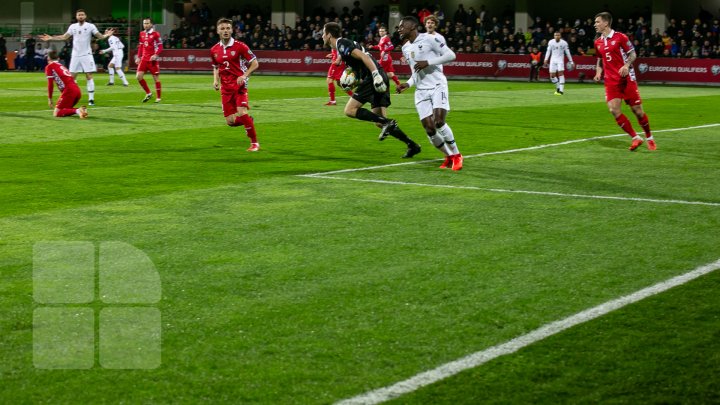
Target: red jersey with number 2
{"type": "Point", "coordinates": [231, 61]}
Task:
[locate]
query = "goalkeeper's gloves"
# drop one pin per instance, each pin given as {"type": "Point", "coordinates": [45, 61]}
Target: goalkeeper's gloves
{"type": "Point", "coordinates": [379, 83]}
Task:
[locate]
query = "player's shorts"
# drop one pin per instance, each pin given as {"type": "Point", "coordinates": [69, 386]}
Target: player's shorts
{"type": "Point", "coordinates": [386, 63]}
{"type": "Point", "coordinates": [82, 64]}
{"type": "Point", "coordinates": [117, 59]}
{"type": "Point", "coordinates": [365, 92]}
{"type": "Point", "coordinates": [234, 99]}
{"type": "Point", "coordinates": [556, 66]}
{"type": "Point", "coordinates": [151, 66]}
{"type": "Point", "coordinates": [336, 71]}
{"type": "Point", "coordinates": [69, 97]}
{"type": "Point", "coordinates": [626, 90]}
{"type": "Point", "coordinates": [426, 101]}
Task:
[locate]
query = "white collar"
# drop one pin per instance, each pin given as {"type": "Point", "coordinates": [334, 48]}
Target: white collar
{"type": "Point", "coordinates": [150, 31]}
{"type": "Point", "coordinates": [612, 32]}
{"type": "Point", "coordinates": [230, 43]}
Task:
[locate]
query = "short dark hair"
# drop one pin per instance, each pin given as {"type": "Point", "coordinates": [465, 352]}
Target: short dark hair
{"type": "Point", "coordinates": [80, 10]}
{"type": "Point", "coordinates": [412, 20]}
{"type": "Point", "coordinates": [605, 16]}
{"type": "Point", "coordinates": [149, 19]}
{"type": "Point", "coordinates": [53, 55]}
{"type": "Point", "coordinates": [333, 29]}
{"type": "Point", "coordinates": [223, 20]}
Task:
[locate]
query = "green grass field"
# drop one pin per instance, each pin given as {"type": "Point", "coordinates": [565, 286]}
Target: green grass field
{"type": "Point", "coordinates": [279, 287]}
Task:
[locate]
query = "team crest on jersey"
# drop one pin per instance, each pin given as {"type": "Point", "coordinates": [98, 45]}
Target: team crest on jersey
{"type": "Point", "coordinates": [420, 47]}
{"type": "Point", "coordinates": [612, 42]}
{"type": "Point", "coordinates": [232, 53]}
{"type": "Point", "coordinates": [643, 67]}
{"type": "Point", "coordinates": [715, 69]}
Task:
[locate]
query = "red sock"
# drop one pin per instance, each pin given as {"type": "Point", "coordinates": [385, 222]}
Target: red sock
{"type": "Point", "coordinates": [396, 80]}
{"type": "Point", "coordinates": [331, 90]}
{"type": "Point", "coordinates": [64, 112]}
{"type": "Point", "coordinates": [247, 121]}
{"type": "Point", "coordinates": [645, 124]}
{"type": "Point", "coordinates": [625, 124]}
{"type": "Point", "coordinates": [157, 89]}
{"type": "Point", "coordinates": [144, 85]}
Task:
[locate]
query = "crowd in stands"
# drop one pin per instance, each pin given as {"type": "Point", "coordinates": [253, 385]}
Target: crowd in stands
{"type": "Point", "coordinates": [465, 30]}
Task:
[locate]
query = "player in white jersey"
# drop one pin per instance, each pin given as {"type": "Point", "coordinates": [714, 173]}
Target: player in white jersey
{"type": "Point", "coordinates": [117, 48]}
{"type": "Point", "coordinates": [556, 51]}
{"type": "Point", "coordinates": [425, 54]}
{"type": "Point", "coordinates": [82, 58]}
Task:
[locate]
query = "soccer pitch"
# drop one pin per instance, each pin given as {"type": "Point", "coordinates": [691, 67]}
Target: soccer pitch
{"type": "Point", "coordinates": [325, 267]}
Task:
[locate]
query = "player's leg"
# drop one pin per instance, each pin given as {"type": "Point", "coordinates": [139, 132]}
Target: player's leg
{"type": "Point", "coordinates": [140, 76]}
{"type": "Point", "coordinates": [111, 74]}
{"type": "Point", "coordinates": [644, 122]}
{"type": "Point", "coordinates": [65, 106]}
{"type": "Point", "coordinates": [553, 77]}
{"type": "Point", "coordinates": [156, 77]}
{"type": "Point", "coordinates": [242, 118]}
{"type": "Point", "coordinates": [119, 69]}
{"type": "Point", "coordinates": [423, 105]}
{"type": "Point", "coordinates": [90, 86]}
{"type": "Point", "coordinates": [331, 90]}
{"type": "Point", "coordinates": [561, 82]}
{"type": "Point", "coordinates": [614, 105]}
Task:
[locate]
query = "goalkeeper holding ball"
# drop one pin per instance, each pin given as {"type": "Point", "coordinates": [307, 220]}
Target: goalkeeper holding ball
{"type": "Point", "coordinates": [373, 87]}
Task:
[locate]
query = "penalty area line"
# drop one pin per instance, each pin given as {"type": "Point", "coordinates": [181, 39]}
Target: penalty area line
{"type": "Point", "coordinates": [502, 152]}
{"type": "Point", "coordinates": [502, 190]}
{"type": "Point", "coordinates": [478, 358]}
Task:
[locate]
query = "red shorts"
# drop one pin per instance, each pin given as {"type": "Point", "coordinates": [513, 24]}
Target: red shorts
{"type": "Point", "coordinates": [151, 66]}
{"type": "Point", "coordinates": [386, 63]}
{"type": "Point", "coordinates": [626, 90]}
{"type": "Point", "coordinates": [232, 100]}
{"type": "Point", "coordinates": [69, 97]}
{"type": "Point", "coordinates": [336, 71]}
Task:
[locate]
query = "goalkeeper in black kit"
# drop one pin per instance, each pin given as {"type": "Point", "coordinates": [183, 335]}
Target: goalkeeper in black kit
{"type": "Point", "coordinates": [373, 87]}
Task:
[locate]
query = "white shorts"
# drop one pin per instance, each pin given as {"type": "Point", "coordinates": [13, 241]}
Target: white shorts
{"type": "Point", "coordinates": [428, 100]}
{"type": "Point", "coordinates": [82, 64]}
{"type": "Point", "coordinates": [116, 59]}
{"type": "Point", "coordinates": [556, 66]}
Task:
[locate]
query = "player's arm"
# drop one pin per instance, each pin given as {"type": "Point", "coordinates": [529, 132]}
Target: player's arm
{"type": "Point", "coordinates": [569, 56]}
{"type": "Point", "coordinates": [378, 81]}
{"type": "Point", "coordinates": [548, 52]}
{"type": "Point", "coordinates": [254, 64]}
{"type": "Point", "coordinates": [598, 70]}
{"type": "Point", "coordinates": [158, 48]}
{"type": "Point", "coordinates": [46, 37]}
{"type": "Point", "coordinates": [216, 77]}
{"type": "Point", "coordinates": [625, 69]}
{"type": "Point", "coordinates": [107, 33]}
{"type": "Point", "coordinates": [50, 88]}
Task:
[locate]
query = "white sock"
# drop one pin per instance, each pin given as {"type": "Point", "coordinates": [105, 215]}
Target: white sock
{"type": "Point", "coordinates": [111, 72]}
{"type": "Point", "coordinates": [91, 89]}
{"type": "Point", "coordinates": [121, 75]}
{"type": "Point", "coordinates": [438, 142]}
{"type": "Point", "coordinates": [449, 138]}
{"type": "Point", "coordinates": [561, 86]}
{"type": "Point", "coordinates": [554, 80]}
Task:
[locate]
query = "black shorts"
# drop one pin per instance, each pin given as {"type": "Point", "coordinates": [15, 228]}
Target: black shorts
{"type": "Point", "coordinates": [365, 92]}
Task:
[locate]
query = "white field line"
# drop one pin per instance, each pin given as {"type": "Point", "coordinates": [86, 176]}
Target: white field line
{"type": "Point", "coordinates": [549, 145]}
{"type": "Point", "coordinates": [502, 190]}
{"type": "Point", "coordinates": [478, 358]}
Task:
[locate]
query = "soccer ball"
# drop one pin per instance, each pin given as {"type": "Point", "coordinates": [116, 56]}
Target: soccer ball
{"type": "Point", "coordinates": [348, 80]}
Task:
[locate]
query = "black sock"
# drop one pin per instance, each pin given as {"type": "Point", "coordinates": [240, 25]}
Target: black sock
{"type": "Point", "coordinates": [400, 135]}
{"type": "Point", "coordinates": [365, 115]}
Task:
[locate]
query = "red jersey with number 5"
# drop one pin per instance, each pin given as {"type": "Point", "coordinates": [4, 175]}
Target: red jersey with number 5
{"type": "Point", "coordinates": [613, 50]}
{"type": "Point", "coordinates": [231, 61]}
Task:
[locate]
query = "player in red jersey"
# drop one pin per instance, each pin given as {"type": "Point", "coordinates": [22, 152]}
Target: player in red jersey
{"type": "Point", "coordinates": [149, 50]}
{"type": "Point", "coordinates": [385, 46]}
{"type": "Point", "coordinates": [337, 66]}
{"type": "Point", "coordinates": [615, 58]}
{"type": "Point", "coordinates": [58, 74]}
{"type": "Point", "coordinates": [233, 63]}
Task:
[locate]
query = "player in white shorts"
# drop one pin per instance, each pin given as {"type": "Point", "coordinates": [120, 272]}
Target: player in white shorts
{"type": "Point", "coordinates": [556, 51]}
{"type": "Point", "coordinates": [81, 60]}
{"type": "Point", "coordinates": [117, 49]}
{"type": "Point", "coordinates": [425, 55]}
